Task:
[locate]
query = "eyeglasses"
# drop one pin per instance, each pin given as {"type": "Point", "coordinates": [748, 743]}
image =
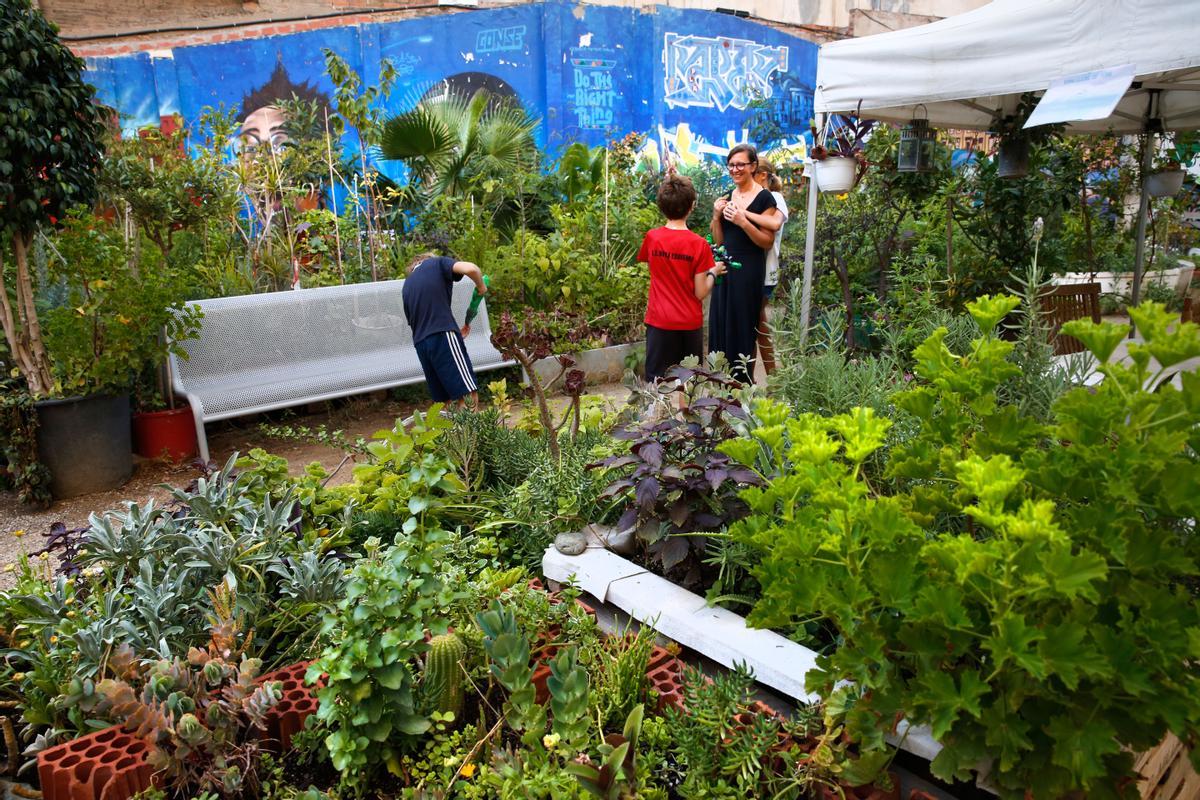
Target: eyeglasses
{"type": "Point", "coordinates": [735, 166]}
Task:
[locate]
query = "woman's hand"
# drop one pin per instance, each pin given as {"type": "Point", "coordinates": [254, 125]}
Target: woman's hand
{"type": "Point", "coordinates": [736, 215]}
{"type": "Point", "coordinates": [719, 207]}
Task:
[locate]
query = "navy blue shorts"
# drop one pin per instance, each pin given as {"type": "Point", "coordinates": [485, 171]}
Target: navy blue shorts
{"type": "Point", "coordinates": [447, 366]}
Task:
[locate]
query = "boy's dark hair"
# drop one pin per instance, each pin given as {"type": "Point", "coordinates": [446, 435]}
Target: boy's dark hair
{"type": "Point", "coordinates": [676, 196]}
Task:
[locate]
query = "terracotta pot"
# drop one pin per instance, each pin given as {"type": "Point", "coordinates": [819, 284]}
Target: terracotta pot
{"type": "Point", "coordinates": [170, 434]}
{"type": "Point", "coordinates": [309, 202]}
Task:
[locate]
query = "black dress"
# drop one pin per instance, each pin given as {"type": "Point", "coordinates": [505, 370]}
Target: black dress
{"type": "Point", "coordinates": [736, 300]}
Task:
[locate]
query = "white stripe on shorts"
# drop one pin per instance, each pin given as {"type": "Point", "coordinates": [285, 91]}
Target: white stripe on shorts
{"type": "Point", "coordinates": [456, 351]}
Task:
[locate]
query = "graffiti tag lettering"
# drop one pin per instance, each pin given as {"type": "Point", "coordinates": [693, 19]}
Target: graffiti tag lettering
{"type": "Point", "coordinates": [594, 96]}
{"type": "Point", "coordinates": [495, 40]}
{"type": "Point", "coordinates": [718, 72]}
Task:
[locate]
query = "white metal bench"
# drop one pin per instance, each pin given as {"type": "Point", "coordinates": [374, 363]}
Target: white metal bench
{"type": "Point", "coordinates": [261, 352]}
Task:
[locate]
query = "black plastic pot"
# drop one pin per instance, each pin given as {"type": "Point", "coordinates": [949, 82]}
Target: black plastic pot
{"type": "Point", "coordinates": [85, 443]}
{"type": "Point", "coordinates": [1013, 158]}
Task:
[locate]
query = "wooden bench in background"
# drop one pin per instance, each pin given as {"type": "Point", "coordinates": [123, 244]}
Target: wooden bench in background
{"type": "Point", "coordinates": [1064, 303]}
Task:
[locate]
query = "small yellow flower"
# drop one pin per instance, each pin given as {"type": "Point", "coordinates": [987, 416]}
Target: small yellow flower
{"type": "Point", "coordinates": [10, 567]}
{"type": "Point", "coordinates": [18, 534]}
{"type": "Point", "coordinates": [468, 770]}
{"type": "Point", "coordinates": [550, 740]}
{"type": "Point", "coordinates": [843, 196]}
{"type": "Point", "coordinates": [53, 640]}
{"type": "Point", "coordinates": [43, 556]}
{"type": "Point", "coordinates": [18, 677]}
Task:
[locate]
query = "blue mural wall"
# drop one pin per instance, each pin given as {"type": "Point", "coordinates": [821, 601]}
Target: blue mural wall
{"type": "Point", "coordinates": [689, 79]}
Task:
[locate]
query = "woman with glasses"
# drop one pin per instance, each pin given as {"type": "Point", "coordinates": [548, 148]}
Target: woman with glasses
{"type": "Point", "coordinates": [734, 309]}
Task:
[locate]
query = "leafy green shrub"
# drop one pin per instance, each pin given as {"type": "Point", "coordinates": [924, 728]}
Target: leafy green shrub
{"type": "Point", "coordinates": [1025, 591]}
{"type": "Point", "coordinates": [105, 326]}
{"type": "Point", "coordinates": [370, 700]}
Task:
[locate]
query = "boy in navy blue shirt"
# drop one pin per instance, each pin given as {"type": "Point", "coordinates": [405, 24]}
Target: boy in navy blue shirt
{"type": "Point", "coordinates": [438, 340]}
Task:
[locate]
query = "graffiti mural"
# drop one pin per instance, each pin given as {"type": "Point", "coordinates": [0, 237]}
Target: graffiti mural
{"type": "Point", "coordinates": [587, 73]}
{"type": "Point", "coordinates": [718, 72]}
{"type": "Point", "coordinates": [495, 40]}
{"type": "Point", "coordinates": [593, 94]}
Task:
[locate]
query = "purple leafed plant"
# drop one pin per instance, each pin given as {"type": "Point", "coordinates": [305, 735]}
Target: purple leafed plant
{"type": "Point", "coordinates": [675, 484]}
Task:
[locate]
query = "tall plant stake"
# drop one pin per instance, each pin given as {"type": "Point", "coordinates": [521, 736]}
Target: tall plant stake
{"type": "Point", "coordinates": [337, 233]}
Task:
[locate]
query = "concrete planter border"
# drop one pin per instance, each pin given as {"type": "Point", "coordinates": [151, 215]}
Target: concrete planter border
{"type": "Point", "coordinates": [601, 365]}
{"type": "Point", "coordinates": [715, 632]}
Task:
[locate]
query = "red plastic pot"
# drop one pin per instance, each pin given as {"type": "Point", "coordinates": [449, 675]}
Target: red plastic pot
{"type": "Point", "coordinates": [170, 433]}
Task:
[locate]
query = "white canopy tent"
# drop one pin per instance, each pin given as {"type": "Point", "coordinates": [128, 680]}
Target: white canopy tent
{"type": "Point", "coordinates": [965, 68]}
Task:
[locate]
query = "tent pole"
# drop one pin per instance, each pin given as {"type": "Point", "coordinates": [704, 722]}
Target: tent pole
{"type": "Point", "coordinates": [1148, 143]}
{"type": "Point", "coordinates": [810, 239]}
{"type": "Point", "coordinates": [1139, 258]}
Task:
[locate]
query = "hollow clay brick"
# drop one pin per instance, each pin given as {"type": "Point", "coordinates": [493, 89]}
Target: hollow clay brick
{"type": "Point", "coordinates": [106, 765]}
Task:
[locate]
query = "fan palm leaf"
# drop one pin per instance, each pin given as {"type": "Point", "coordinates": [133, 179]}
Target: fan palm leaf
{"type": "Point", "coordinates": [448, 141]}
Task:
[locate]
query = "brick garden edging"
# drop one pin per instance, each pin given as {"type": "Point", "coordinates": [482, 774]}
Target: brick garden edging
{"type": "Point", "coordinates": [113, 765]}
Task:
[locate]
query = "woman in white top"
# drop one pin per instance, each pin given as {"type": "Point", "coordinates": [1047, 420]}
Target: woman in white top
{"type": "Point", "coordinates": [765, 177]}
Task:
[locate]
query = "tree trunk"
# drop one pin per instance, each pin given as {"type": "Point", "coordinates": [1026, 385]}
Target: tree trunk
{"type": "Point", "coordinates": [22, 330]}
{"type": "Point", "coordinates": [843, 273]}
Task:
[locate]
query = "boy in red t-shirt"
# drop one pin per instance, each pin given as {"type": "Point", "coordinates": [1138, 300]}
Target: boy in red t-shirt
{"type": "Point", "coordinates": [682, 274]}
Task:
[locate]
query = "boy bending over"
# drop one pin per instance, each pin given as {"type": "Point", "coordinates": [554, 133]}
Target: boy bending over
{"type": "Point", "coordinates": [438, 340]}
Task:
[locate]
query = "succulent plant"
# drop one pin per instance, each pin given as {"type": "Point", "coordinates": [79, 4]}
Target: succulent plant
{"type": "Point", "coordinates": [443, 681]}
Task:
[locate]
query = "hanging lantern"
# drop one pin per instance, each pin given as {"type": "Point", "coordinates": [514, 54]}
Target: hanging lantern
{"type": "Point", "coordinates": [916, 145]}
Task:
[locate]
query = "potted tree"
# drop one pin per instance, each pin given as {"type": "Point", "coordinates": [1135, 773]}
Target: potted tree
{"type": "Point", "coordinates": [105, 326]}
{"type": "Point", "coordinates": [76, 359]}
{"type": "Point", "coordinates": [50, 131]}
{"type": "Point", "coordinates": [1173, 159]}
{"type": "Point", "coordinates": [839, 158]}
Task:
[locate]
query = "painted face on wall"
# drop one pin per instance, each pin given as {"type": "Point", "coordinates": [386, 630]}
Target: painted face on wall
{"type": "Point", "coordinates": [264, 126]}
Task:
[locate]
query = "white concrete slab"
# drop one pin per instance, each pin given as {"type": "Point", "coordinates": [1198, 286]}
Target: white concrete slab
{"type": "Point", "coordinates": [594, 569]}
{"type": "Point", "coordinates": [716, 632]}
{"type": "Point", "coordinates": [685, 617]}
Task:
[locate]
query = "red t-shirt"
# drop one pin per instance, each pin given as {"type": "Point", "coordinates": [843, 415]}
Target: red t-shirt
{"type": "Point", "coordinates": [674, 256]}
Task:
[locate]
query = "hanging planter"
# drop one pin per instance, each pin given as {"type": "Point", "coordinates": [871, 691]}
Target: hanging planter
{"type": "Point", "coordinates": [1167, 183]}
{"type": "Point", "coordinates": [837, 154]}
{"type": "Point", "coordinates": [1013, 158]}
{"type": "Point", "coordinates": [836, 173]}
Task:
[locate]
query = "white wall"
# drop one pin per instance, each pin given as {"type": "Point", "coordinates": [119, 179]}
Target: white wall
{"type": "Point", "coordinates": [830, 14]}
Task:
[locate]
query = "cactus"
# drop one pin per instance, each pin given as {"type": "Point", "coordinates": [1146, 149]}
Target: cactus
{"type": "Point", "coordinates": [443, 675]}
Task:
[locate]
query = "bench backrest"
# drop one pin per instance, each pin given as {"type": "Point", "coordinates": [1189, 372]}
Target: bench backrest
{"type": "Point", "coordinates": [277, 329]}
{"type": "Point", "coordinates": [1065, 303]}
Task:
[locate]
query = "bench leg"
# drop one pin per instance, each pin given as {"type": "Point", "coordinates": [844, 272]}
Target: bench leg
{"type": "Point", "coordinates": [198, 417]}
